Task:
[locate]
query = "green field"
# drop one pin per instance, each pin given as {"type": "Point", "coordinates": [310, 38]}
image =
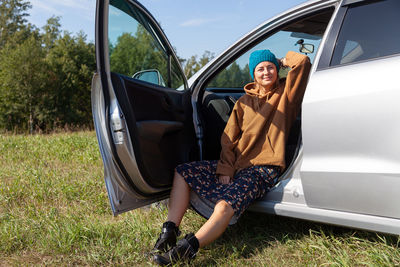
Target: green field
{"type": "Point", "coordinates": [54, 211]}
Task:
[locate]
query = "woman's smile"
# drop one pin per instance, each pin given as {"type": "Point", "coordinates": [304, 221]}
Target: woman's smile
{"type": "Point", "coordinates": [265, 74]}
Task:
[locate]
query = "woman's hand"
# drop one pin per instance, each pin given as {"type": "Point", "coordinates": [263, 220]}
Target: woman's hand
{"type": "Point", "coordinates": [224, 179]}
{"type": "Point", "coordinates": [282, 62]}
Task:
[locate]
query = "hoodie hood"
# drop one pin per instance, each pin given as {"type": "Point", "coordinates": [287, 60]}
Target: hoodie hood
{"type": "Point", "coordinates": [252, 90]}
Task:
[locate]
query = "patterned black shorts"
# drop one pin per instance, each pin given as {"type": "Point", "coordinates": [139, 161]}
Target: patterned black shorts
{"type": "Point", "coordinates": [248, 184]}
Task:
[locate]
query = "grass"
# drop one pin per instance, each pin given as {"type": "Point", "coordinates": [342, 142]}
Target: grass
{"type": "Point", "coordinates": [54, 211]}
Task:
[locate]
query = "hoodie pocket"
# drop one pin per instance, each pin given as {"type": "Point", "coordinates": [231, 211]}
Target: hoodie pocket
{"type": "Point", "coordinates": [252, 145]}
{"type": "Point", "coordinates": [244, 144]}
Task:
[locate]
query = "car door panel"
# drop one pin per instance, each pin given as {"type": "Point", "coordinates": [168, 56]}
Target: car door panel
{"type": "Point", "coordinates": [144, 127]}
{"type": "Point", "coordinates": [155, 117]}
{"type": "Point", "coordinates": [123, 194]}
{"type": "Point", "coordinates": [152, 102]}
{"type": "Point", "coordinates": [351, 160]}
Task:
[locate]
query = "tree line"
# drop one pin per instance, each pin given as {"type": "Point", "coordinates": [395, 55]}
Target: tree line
{"type": "Point", "coordinates": [45, 73]}
{"type": "Point", "coordinates": [138, 51]}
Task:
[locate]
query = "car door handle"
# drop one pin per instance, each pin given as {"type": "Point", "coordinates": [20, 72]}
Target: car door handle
{"type": "Point", "coordinates": [168, 105]}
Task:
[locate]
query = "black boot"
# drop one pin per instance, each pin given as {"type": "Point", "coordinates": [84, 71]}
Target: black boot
{"type": "Point", "coordinates": [167, 238]}
{"type": "Point", "coordinates": [184, 251]}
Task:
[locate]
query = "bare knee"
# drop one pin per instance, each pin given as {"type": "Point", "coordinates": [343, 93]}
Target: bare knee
{"type": "Point", "coordinates": [177, 175]}
{"type": "Point", "coordinates": [178, 178]}
{"type": "Point", "coordinates": [224, 208]}
{"type": "Point", "coordinates": [179, 187]}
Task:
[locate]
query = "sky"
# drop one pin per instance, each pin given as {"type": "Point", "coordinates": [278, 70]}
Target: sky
{"type": "Point", "coordinates": [192, 26]}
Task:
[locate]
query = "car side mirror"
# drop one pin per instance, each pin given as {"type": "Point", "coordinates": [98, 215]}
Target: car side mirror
{"type": "Point", "coordinates": [306, 48]}
{"type": "Point", "coordinates": [151, 76]}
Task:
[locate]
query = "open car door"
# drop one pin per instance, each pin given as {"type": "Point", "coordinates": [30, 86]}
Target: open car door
{"type": "Point", "coordinates": [141, 105]}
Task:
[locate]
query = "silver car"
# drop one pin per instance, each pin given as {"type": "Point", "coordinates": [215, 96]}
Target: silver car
{"type": "Point", "coordinates": [343, 153]}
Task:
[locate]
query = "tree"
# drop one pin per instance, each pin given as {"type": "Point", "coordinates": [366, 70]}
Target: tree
{"type": "Point", "coordinates": [13, 21]}
{"type": "Point", "coordinates": [45, 80]}
{"type": "Point", "coordinates": [71, 64]}
{"type": "Point", "coordinates": [136, 52]}
{"type": "Point", "coordinates": [51, 32]}
{"type": "Point", "coordinates": [231, 77]}
{"type": "Point", "coordinates": [205, 58]}
{"type": "Point", "coordinates": [123, 58]}
{"type": "Point", "coordinates": [22, 83]}
{"type": "Point", "coordinates": [246, 78]}
{"type": "Point", "coordinates": [192, 65]}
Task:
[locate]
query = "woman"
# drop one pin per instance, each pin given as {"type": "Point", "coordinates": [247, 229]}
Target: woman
{"type": "Point", "coordinates": [252, 155]}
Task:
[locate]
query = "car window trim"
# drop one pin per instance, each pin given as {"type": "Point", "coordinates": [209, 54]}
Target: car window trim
{"type": "Point", "coordinates": [351, 2]}
{"type": "Point", "coordinates": [330, 44]}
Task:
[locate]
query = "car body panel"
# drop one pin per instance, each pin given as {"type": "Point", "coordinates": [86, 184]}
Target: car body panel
{"type": "Point", "coordinates": [334, 217]}
{"type": "Point", "coordinates": [350, 147]}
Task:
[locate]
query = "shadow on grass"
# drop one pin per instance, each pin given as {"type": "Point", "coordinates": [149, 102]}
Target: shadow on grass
{"type": "Point", "coordinates": [256, 231]}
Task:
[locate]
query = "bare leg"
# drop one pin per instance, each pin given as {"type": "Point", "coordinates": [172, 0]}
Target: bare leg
{"type": "Point", "coordinates": [216, 224]}
{"type": "Point", "coordinates": [178, 200]}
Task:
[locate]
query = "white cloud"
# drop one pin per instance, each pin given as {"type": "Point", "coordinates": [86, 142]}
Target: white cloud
{"type": "Point", "coordinates": [56, 7]}
{"type": "Point", "coordinates": [45, 6]}
{"type": "Point", "coordinates": [78, 4]}
{"type": "Point", "coordinates": [75, 15]}
{"type": "Point", "coordinates": [197, 22]}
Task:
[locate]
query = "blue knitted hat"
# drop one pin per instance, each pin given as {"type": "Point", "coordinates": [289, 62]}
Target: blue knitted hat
{"type": "Point", "coordinates": [259, 56]}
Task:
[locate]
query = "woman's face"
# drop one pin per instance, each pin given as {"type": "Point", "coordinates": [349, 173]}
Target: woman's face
{"type": "Point", "coordinates": [265, 74]}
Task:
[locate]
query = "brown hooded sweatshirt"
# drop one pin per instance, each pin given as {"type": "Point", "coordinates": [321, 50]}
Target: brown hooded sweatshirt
{"type": "Point", "coordinates": [259, 125]}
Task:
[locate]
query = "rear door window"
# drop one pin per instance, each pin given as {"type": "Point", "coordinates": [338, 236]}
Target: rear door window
{"type": "Point", "coordinates": [370, 30]}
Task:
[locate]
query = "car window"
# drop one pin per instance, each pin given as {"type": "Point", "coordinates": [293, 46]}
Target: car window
{"type": "Point", "coordinates": [307, 31]}
{"type": "Point", "coordinates": [136, 50]}
{"type": "Point", "coordinates": [369, 31]}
